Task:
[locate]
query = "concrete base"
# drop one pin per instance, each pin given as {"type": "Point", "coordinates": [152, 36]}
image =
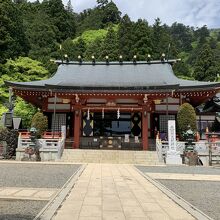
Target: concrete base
{"type": "Point", "coordinates": [173, 158]}
{"type": "Point", "coordinates": [45, 154]}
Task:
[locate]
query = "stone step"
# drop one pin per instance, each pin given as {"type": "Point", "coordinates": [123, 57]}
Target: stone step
{"type": "Point", "coordinates": [110, 156]}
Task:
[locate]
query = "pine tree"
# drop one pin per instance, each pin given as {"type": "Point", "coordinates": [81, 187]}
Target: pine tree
{"type": "Point", "coordinates": [13, 41]}
{"type": "Point", "coordinates": [182, 69]}
{"type": "Point", "coordinates": [182, 36]}
{"type": "Point", "coordinates": [62, 19]}
{"type": "Point", "coordinates": [102, 3]}
{"type": "Point", "coordinates": [202, 34]}
{"type": "Point", "coordinates": [206, 67]}
{"type": "Point", "coordinates": [161, 40]}
{"type": "Point", "coordinates": [94, 49]}
{"type": "Point", "coordinates": [125, 38]}
{"type": "Point", "coordinates": [110, 45]}
{"type": "Point", "coordinates": [42, 38]}
{"type": "Point", "coordinates": [69, 7]}
{"type": "Point", "coordinates": [111, 14]}
{"type": "Point", "coordinates": [142, 44]}
{"type": "Point", "coordinates": [80, 48]}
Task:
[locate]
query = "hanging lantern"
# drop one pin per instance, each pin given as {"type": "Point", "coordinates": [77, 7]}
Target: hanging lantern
{"type": "Point", "coordinates": [103, 113]}
{"type": "Point", "coordinates": [118, 113]}
{"type": "Point", "coordinates": [88, 114]}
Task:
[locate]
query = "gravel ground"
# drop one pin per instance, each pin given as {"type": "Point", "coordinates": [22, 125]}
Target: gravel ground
{"type": "Point", "coordinates": [180, 169]}
{"type": "Point", "coordinates": [20, 209]}
{"type": "Point", "coordinates": [205, 195]}
{"type": "Point", "coordinates": [35, 175]}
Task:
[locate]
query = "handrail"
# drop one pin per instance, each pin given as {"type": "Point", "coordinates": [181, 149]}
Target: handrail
{"type": "Point", "coordinates": [61, 147]}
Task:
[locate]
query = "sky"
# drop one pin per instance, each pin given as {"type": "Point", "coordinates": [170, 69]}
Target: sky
{"type": "Point", "coordinates": [189, 12]}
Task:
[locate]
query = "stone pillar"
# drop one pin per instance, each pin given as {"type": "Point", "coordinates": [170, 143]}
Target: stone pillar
{"type": "Point", "coordinates": [173, 156]}
{"type": "Point", "coordinates": [77, 125]}
{"type": "Point", "coordinates": [145, 130]}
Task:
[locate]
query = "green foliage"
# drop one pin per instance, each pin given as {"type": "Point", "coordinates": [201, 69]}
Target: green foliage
{"type": "Point", "coordinates": [94, 49]}
{"type": "Point", "coordinates": [69, 7]}
{"type": "Point", "coordinates": [36, 29]}
{"type": "Point", "coordinates": [125, 38]}
{"type": "Point", "coordinates": [186, 116]}
{"type": "Point", "coordinates": [62, 19]}
{"type": "Point", "coordinates": [2, 127]}
{"type": "Point", "coordinates": [110, 45]}
{"type": "Point", "coordinates": [20, 69]}
{"type": "Point", "coordinates": [101, 16]}
{"type": "Point", "coordinates": [182, 69]}
{"type": "Point", "coordinates": [142, 39]}
{"type": "Point", "coordinates": [202, 34]}
{"type": "Point", "coordinates": [13, 41]}
{"type": "Point", "coordinates": [161, 40]}
{"type": "Point", "coordinates": [111, 14]}
{"type": "Point", "coordinates": [3, 109]}
{"type": "Point", "coordinates": [205, 67]}
{"type": "Point", "coordinates": [25, 111]}
{"type": "Point", "coordinates": [40, 122]}
{"type": "Point", "coordinates": [92, 35]}
{"type": "Point", "coordinates": [182, 36]}
{"type": "Point", "coordinates": [41, 34]}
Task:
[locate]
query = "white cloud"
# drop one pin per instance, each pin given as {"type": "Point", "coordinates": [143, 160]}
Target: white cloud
{"type": "Point", "coordinates": [190, 12]}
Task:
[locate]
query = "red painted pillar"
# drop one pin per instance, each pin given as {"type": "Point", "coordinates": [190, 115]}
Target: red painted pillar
{"type": "Point", "coordinates": [77, 125]}
{"type": "Point", "coordinates": [145, 130]}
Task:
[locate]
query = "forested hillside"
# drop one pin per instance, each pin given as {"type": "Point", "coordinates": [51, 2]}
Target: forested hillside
{"type": "Point", "coordinates": [31, 34]}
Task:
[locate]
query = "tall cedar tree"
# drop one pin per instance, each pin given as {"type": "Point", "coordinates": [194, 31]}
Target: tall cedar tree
{"type": "Point", "coordinates": [206, 68]}
{"type": "Point", "coordinates": [94, 49]}
{"type": "Point", "coordinates": [73, 49]}
{"type": "Point", "coordinates": [99, 17]}
{"type": "Point", "coordinates": [125, 38]}
{"type": "Point", "coordinates": [111, 14]}
{"type": "Point", "coordinates": [182, 36]}
{"type": "Point", "coordinates": [110, 45]}
{"type": "Point", "coordinates": [142, 44]}
{"type": "Point", "coordinates": [161, 41]}
{"type": "Point", "coordinates": [41, 34]}
{"type": "Point", "coordinates": [80, 48]}
{"type": "Point", "coordinates": [69, 7]}
{"type": "Point", "coordinates": [61, 18]}
{"type": "Point", "coordinates": [68, 47]}
{"type": "Point", "coordinates": [13, 41]}
{"type": "Point", "coordinates": [201, 34]}
{"type": "Point", "coordinates": [90, 19]}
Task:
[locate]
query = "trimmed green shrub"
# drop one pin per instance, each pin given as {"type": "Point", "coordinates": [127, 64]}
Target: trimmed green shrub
{"type": "Point", "coordinates": [186, 116]}
{"type": "Point", "coordinates": [40, 122]}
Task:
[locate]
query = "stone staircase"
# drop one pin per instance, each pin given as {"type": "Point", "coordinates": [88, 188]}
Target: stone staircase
{"type": "Point", "coordinates": [110, 156]}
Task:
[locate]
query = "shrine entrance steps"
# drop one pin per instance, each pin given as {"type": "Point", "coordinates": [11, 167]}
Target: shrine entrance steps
{"type": "Point", "coordinates": [110, 156]}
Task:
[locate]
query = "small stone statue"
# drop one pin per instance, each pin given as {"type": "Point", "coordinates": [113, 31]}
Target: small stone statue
{"type": "Point", "coordinates": [191, 156]}
{"type": "Point", "coordinates": [189, 137]}
{"type": "Point", "coordinates": [33, 149]}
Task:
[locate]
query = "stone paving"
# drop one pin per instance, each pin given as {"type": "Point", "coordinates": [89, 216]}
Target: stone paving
{"type": "Point", "coordinates": [111, 191]}
{"type": "Point", "coordinates": [27, 193]}
{"type": "Point", "coordinates": [182, 176]}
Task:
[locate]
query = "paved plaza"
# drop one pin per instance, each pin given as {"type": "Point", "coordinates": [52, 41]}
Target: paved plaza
{"type": "Point", "coordinates": [107, 192]}
{"type": "Point", "coordinates": [117, 192]}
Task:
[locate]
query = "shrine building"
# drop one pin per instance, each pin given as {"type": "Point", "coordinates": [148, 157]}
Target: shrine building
{"type": "Point", "coordinates": [113, 105]}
